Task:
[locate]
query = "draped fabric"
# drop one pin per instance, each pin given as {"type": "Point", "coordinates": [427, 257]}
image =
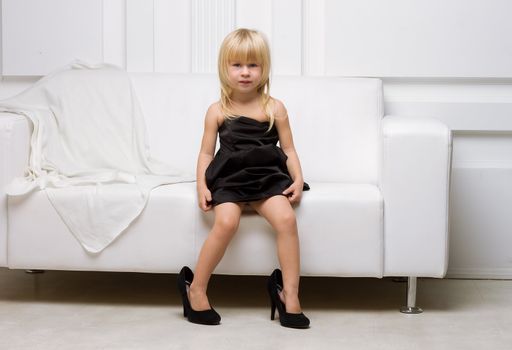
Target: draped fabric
{"type": "Point", "coordinates": [89, 150]}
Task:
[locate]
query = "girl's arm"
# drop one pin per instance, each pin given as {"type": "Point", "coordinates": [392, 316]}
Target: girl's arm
{"type": "Point", "coordinates": [206, 154]}
{"type": "Point", "coordinates": [286, 142]}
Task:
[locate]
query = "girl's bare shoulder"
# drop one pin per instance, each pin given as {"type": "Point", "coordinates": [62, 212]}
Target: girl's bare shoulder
{"type": "Point", "coordinates": [214, 113]}
{"type": "Point", "coordinates": [279, 109]}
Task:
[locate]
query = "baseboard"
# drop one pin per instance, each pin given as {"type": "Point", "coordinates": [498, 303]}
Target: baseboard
{"type": "Point", "coordinates": [476, 273]}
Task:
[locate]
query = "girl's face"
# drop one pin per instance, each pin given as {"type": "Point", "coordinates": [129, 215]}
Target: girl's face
{"type": "Point", "coordinates": [244, 77]}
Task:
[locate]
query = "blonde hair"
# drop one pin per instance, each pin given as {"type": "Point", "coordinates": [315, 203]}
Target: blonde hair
{"type": "Point", "coordinates": [245, 45]}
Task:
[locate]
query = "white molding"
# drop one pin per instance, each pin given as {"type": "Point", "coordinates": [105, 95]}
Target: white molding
{"type": "Point", "coordinates": [478, 273]}
{"type": "Point", "coordinates": [313, 41]}
{"type": "Point", "coordinates": [212, 20]}
{"type": "Point", "coordinates": [482, 164]}
{"type": "Point", "coordinates": [1, 39]}
{"type": "Point", "coordinates": [469, 105]}
{"type": "Point", "coordinates": [448, 90]}
{"type": "Point", "coordinates": [488, 152]}
{"type": "Point", "coordinates": [140, 35]}
{"type": "Point", "coordinates": [475, 116]}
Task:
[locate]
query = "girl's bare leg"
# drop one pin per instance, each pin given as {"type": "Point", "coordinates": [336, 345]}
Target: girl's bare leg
{"type": "Point", "coordinates": [280, 214]}
{"type": "Point", "coordinates": [227, 218]}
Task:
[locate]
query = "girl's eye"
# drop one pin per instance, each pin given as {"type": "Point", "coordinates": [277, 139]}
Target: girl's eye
{"type": "Point", "coordinates": [253, 65]}
{"type": "Point", "coordinates": [236, 64]}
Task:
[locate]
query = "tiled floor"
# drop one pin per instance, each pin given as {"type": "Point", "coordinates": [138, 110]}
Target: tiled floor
{"type": "Point", "coordinates": [92, 310]}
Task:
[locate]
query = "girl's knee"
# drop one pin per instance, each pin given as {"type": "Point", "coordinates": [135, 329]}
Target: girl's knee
{"type": "Point", "coordinates": [287, 221]}
{"type": "Point", "coordinates": [226, 224]}
{"type": "Point", "coordinates": [289, 217]}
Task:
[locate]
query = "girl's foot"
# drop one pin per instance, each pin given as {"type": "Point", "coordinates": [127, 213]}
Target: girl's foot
{"type": "Point", "coordinates": [291, 302]}
{"type": "Point", "coordinates": [286, 318]}
{"type": "Point", "coordinates": [208, 316]}
{"type": "Point", "coordinates": [198, 299]}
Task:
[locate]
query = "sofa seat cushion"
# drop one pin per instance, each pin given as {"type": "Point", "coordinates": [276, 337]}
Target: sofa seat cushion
{"type": "Point", "coordinates": [340, 229]}
{"type": "Point", "coordinates": [161, 239]}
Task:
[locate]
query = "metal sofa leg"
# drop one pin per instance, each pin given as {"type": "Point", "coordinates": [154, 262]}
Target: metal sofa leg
{"type": "Point", "coordinates": [411, 307]}
{"type": "Point", "coordinates": [34, 271]}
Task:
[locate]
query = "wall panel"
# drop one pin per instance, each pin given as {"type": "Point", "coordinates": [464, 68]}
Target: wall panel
{"type": "Point", "coordinates": [114, 32]}
{"type": "Point", "coordinates": [140, 36]}
{"type": "Point", "coordinates": [59, 31]}
{"type": "Point", "coordinates": [421, 38]}
{"type": "Point", "coordinates": [255, 17]}
{"type": "Point", "coordinates": [172, 29]}
{"type": "Point", "coordinates": [313, 43]}
{"type": "Point", "coordinates": [287, 37]}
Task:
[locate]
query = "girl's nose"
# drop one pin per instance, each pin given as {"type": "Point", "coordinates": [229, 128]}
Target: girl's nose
{"type": "Point", "coordinates": [245, 70]}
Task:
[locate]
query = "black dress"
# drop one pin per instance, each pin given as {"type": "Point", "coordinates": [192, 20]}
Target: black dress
{"type": "Point", "coordinates": [249, 165]}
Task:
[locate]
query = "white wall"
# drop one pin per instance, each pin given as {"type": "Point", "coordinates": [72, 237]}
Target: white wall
{"type": "Point", "coordinates": [447, 59]}
{"type": "Point", "coordinates": [32, 31]}
{"type": "Point", "coordinates": [419, 38]}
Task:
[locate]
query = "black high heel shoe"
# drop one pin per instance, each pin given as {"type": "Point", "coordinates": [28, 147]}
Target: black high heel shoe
{"type": "Point", "coordinates": [207, 317]}
{"type": "Point", "coordinates": [291, 320]}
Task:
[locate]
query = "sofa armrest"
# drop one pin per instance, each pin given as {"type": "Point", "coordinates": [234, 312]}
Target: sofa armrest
{"type": "Point", "coordinates": [414, 180]}
{"type": "Point", "coordinates": [14, 152]}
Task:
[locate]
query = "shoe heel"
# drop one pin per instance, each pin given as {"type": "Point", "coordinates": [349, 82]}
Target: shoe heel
{"type": "Point", "coordinates": [291, 320]}
{"type": "Point", "coordinates": [208, 317]}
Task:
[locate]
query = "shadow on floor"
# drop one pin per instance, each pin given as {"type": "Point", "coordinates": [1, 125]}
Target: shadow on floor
{"type": "Point", "coordinates": [323, 293]}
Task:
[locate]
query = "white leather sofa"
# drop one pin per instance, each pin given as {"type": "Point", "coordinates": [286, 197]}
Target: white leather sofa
{"type": "Point", "coordinates": [378, 204]}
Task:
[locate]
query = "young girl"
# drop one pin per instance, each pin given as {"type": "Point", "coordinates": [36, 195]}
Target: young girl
{"type": "Point", "coordinates": [249, 169]}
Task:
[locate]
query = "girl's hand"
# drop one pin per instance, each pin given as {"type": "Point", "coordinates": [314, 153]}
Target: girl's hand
{"type": "Point", "coordinates": [205, 196]}
{"type": "Point", "coordinates": [294, 192]}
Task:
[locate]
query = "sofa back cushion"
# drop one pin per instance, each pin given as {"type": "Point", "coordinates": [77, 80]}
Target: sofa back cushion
{"type": "Point", "coordinates": [335, 121]}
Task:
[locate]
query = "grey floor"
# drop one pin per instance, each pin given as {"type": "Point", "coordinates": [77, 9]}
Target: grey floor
{"type": "Point", "coordinates": [93, 310]}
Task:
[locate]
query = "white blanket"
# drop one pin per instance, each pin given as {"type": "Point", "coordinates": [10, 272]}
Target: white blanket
{"type": "Point", "coordinates": [88, 150]}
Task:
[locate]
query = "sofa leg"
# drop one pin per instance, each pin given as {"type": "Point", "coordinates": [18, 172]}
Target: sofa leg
{"type": "Point", "coordinates": [32, 272]}
{"type": "Point", "coordinates": [411, 307]}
